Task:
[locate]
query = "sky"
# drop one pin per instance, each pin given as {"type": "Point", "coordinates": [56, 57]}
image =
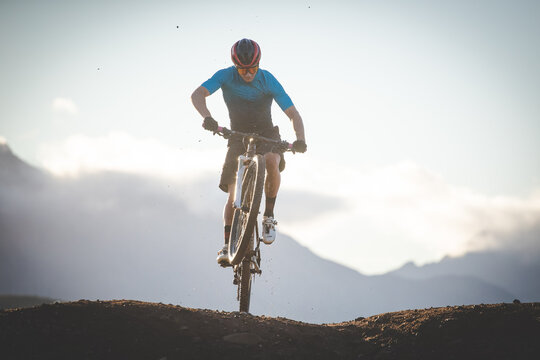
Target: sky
{"type": "Point", "coordinates": [422, 117]}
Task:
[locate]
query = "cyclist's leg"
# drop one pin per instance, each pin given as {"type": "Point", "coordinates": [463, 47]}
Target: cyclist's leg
{"type": "Point", "coordinates": [273, 177]}
{"type": "Point", "coordinates": [273, 180]}
{"type": "Point", "coordinates": [226, 184]}
{"type": "Point", "coordinates": [223, 257]}
{"type": "Point", "coordinates": [228, 209]}
{"type": "Point", "coordinates": [274, 164]}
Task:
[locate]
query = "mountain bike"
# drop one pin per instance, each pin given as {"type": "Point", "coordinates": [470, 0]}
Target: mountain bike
{"type": "Point", "coordinates": [244, 241]}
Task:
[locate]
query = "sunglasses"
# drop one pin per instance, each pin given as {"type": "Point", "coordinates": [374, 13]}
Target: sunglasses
{"type": "Point", "coordinates": [251, 70]}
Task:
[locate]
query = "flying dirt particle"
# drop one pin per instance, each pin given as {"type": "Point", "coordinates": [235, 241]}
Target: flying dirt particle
{"type": "Point", "coordinates": [178, 27]}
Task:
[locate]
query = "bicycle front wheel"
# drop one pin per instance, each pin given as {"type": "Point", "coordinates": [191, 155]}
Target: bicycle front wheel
{"type": "Point", "coordinates": [244, 286]}
{"type": "Point", "coordinates": [244, 219]}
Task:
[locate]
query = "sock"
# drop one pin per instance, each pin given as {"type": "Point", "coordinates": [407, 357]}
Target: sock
{"type": "Point", "coordinates": [227, 229]}
{"type": "Point", "coordinates": [269, 210]}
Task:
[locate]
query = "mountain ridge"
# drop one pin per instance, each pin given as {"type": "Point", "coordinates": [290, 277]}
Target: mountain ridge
{"type": "Point", "coordinates": [508, 269]}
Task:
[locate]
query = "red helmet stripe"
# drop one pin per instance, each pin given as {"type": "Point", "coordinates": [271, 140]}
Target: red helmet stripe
{"type": "Point", "coordinates": [256, 54]}
{"type": "Point", "coordinates": [234, 56]}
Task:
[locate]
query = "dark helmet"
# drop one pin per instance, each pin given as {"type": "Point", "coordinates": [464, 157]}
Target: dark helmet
{"type": "Point", "coordinates": [245, 53]}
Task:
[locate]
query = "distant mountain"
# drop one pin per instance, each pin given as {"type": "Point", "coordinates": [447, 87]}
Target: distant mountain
{"type": "Point", "coordinates": [321, 291]}
{"type": "Point", "coordinates": [508, 270]}
{"type": "Point", "coordinates": [14, 170]}
{"type": "Point", "coordinates": [122, 236]}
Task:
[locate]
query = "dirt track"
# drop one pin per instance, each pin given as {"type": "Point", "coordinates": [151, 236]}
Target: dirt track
{"type": "Point", "coordinates": [137, 330]}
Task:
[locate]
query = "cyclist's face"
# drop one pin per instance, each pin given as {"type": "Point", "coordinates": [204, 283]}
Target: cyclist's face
{"type": "Point", "coordinates": [247, 76]}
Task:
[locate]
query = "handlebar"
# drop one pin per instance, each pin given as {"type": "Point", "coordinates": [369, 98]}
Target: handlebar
{"type": "Point", "coordinates": [226, 133]}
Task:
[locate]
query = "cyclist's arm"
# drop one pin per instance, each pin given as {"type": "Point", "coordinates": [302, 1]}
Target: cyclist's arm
{"type": "Point", "coordinates": [198, 98]}
{"type": "Point", "coordinates": [297, 122]}
{"type": "Point", "coordinates": [286, 104]}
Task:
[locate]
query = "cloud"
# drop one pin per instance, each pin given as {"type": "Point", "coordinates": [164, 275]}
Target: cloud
{"type": "Point", "coordinates": [65, 106]}
{"type": "Point", "coordinates": [372, 220]}
{"type": "Point", "coordinates": [302, 206]}
{"type": "Point", "coordinates": [405, 212]}
{"type": "Point", "coordinates": [520, 236]}
{"type": "Point", "coordinates": [122, 152]}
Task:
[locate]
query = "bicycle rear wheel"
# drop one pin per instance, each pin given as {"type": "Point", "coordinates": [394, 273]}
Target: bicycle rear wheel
{"type": "Point", "coordinates": [244, 219]}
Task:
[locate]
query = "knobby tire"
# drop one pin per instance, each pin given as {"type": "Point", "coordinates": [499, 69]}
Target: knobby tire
{"type": "Point", "coordinates": [245, 281]}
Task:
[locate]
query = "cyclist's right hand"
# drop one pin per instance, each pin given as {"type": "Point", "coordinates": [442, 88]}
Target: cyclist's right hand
{"type": "Point", "coordinates": [210, 124]}
{"type": "Point", "coordinates": [299, 146]}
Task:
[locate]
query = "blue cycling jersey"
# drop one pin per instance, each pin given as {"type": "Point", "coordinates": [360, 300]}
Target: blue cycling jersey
{"type": "Point", "coordinates": [249, 104]}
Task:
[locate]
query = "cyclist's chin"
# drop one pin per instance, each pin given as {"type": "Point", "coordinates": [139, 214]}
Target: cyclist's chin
{"type": "Point", "coordinates": [248, 78]}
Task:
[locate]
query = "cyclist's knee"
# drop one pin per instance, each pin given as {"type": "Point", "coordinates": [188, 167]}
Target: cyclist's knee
{"type": "Point", "coordinates": [231, 188]}
{"type": "Point", "coordinates": [272, 161]}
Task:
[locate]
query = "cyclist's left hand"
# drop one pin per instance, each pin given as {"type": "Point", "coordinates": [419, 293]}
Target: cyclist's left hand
{"type": "Point", "coordinates": [299, 146]}
{"type": "Point", "coordinates": [210, 124]}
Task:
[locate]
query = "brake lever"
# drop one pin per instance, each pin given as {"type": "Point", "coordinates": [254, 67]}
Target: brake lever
{"type": "Point", "coordinates": [286, 146]}
{"type": "Point", "coordinates": [226, 133]}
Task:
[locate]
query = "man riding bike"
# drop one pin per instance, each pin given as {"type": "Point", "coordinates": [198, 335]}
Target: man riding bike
{"type": "Point", "coordinates": [248, 93]}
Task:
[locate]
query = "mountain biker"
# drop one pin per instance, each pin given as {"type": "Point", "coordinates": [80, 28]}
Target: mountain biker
{"type": "Point", "coordinates": [248, 93]}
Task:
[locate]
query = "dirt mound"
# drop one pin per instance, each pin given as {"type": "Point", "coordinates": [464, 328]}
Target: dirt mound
{"type": "Point", "coordinates": [137, 330]}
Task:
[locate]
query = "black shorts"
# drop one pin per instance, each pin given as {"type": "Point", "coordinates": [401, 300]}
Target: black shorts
{"type": "Point", "coordinates": [236, 147]}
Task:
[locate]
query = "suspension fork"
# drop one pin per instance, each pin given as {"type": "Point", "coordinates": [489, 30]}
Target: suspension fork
{"type": "Point", "coordinates": [243, 161]}
{"type": "Point", "coordinates": [256, 256]}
